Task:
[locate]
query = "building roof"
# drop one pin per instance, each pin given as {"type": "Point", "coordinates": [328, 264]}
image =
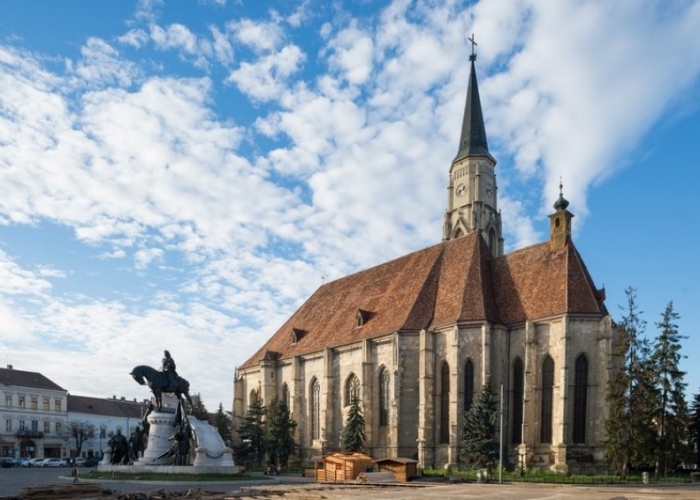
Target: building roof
{"type": "Point", "coordinates": [454, 282]}
{"type": "Point", "coordinates": [109, 407]}
{"type": "Point", "coordinates": [472, 140]}
{"type": "Point", "coordinates": [20, 378]}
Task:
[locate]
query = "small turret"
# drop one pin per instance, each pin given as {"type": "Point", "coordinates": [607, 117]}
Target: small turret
{"type": "Point", "coordinates": [560, 222]}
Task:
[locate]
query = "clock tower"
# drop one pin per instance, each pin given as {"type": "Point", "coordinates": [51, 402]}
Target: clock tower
{"type": "Point", "coordinates": [471, 192]}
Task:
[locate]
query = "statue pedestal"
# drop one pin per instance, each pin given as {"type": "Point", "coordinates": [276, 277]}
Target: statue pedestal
{"type": "Point", "coordinates": [212, 455]}
{"type": "Point", "coordinates": [161, 428]}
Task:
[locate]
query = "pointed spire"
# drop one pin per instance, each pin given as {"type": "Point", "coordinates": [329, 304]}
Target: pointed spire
{"type": "Point", "coordinates": [473, 138]}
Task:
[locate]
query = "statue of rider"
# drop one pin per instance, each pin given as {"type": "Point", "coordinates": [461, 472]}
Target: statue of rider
{"type": "Point", "coordinates": [170, 372]}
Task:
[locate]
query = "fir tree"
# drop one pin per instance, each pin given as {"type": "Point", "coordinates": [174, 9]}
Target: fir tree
{"type": "Point", "coordinates": [673, 410]}
{"type": "Point", "coordinates": [694, 429]}
{"type": "Point", "coordinates": [479, 447]}
{"type": "Point", "coordinates": [223, 425]}
{"type": "Point", "coordinates": [198, 410]}
{"type": "Point", "coordinates": [251, 448]}
{"type": "Point", "coordinates": [353, 437]}
{"type": "Point", "coordinates": [279, 431]}
{"type": "Point", "coordinates": [631, 395]}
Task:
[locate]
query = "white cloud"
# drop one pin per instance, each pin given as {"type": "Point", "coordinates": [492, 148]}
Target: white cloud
{"type": "Point", "coordinates": [137, 38]}
{"type": "Point", "coordinates": [259, 36]}
{"type": "Point", "coordinates": [266, 78]}
{"type": "Point", "coordinates": [144, 257]}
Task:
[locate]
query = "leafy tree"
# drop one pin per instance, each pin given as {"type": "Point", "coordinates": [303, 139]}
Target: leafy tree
{"type": "Point", "coordinates": [631, 395]}
{"type": "Point", "coordinates": [251, 434]}
{"type": "Point", "coordinates": [279, 430]}
{"type": "Point", "coordinates": [673, 410]}
{"type": "Point", "coordinates": [223, 425]}
{"type": "Point", "coordinates": [353, 437]}
{"type": "Point", "coordinates": [80, 431]}
{"type": "Point", "coordinates": [479, 447]}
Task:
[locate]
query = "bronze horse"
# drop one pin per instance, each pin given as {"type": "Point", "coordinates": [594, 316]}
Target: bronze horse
{"type": "Point", "coordinates": [157, 382]}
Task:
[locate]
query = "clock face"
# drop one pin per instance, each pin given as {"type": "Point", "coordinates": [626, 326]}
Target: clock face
{"type": "Point", "coordinates": [461, 190]}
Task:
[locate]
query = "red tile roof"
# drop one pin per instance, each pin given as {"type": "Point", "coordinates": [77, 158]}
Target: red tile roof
{"type": "Point", "coordinates": [453, 282]}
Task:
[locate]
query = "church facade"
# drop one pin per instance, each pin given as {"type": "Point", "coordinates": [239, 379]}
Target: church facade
{"type": "Point", "coordinates": [416, 338]}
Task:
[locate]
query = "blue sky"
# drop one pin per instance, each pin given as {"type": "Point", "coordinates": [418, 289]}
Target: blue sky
{"type": "Point", "coordinates": [183, 175]}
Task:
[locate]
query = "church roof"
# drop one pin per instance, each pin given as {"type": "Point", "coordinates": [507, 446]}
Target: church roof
{"type": "Point", "coordinates": [456, 281]}
{"type": "Point", "coordinates": [473, 141]}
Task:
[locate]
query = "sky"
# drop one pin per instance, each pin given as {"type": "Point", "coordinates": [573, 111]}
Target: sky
{"type": "Point", "coordinates": [182, 175]}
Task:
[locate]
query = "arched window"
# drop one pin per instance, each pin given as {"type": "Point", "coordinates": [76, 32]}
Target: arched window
{"type": "Point", "coordinates": [518, 394]}
{"type": "Point", "coordinates": [445, 404]}
{"type": "Point", "coordinates": [468, 385]}
{"type": "Point", "coordinates": [547, 400]}
{"type": "Point", "coordinates": [253, 397]}
{"type": "Point", "coordinates": [383, 396]}
{"type": "Point", "coordinates": [492, 241]}
{"type": "Point", "coordinates": [315, 409]}
{"type": "Point", "coordinates": [580, 393]}
{"type": "Point", "coordinates": [285, 395]}
{"type": "Point", "coordinates": [352, 389]}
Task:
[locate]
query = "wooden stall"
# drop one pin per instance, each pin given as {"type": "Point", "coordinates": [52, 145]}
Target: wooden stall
{"type": "Point", "coordinates": [403, 468]}
{"type": "Point", "coordinates": [340, 467]}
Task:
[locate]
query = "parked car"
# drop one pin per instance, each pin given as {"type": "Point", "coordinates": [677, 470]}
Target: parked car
{"type": "Point", "coordinates": [34, 462]}
{"type": "Point", "coordinates": [7, 462]}
{"type": "Point", "coordinates": [78, 461]}
{"type": "Point", "coordinates": [91, 461]}
{"type": "Point", "coordinates": [54, 462]}
{"type": "Point", "coordinates": [22, 462]}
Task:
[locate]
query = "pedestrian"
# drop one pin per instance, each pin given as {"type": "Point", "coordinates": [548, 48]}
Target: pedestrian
{"type": "Point", "coordinates": [76, 474]}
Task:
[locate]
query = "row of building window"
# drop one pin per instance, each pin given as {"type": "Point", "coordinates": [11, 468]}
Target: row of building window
{"type": "Point", "coordinates": [546, 400]}
{"type": "Point", "coordinates": [33, 403]}
{"type": "Point", "coordinates": [352, 390]}
{"type": "Point", "coordinates": [34, 426]}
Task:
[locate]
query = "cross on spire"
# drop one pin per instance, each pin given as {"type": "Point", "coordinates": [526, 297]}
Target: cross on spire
{"type": "Point", "coordinates": [473, 56]}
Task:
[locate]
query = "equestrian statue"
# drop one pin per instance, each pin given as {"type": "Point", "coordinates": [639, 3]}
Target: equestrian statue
{"type": "Point", "coordinates": [165, 380]}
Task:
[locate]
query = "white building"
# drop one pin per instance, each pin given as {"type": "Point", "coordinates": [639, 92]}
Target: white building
{"type": "Point", "coordinates": [34, 414]}
{"type": "Point", "coordinates": [39, 418]}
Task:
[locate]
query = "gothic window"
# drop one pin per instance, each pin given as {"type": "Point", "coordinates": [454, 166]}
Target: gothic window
{"type": "Point", "coordinates": [285, 396]}
{"type": "Point", "coordinates": [492, 240]}
{"type": "Point", "coordinates": [352, 389]}
{"type": "Point", "coordinates": [518, 394]}
{"type": "Point", "coordinates": [468, 384]}
{"type": "Point", "coordinates": [445, 404]}
{"type": "Point", "coordinates": [580, 390]}
{"type": "Point", "coordinates": [547, 400]}
{"type": "Point", "coordinates": [383, 396]}
{"type": "Point", "coordinates": [253, 397]}
{"type": "Point", "coordinates": [315, 409]}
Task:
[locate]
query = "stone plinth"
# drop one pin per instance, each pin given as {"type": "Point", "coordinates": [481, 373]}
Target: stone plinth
{"type": "Point", "coordinates": [161, 428]}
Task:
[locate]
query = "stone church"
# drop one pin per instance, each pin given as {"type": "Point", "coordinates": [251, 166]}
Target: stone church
{"type": "Point", "coordinates": [417, 337]}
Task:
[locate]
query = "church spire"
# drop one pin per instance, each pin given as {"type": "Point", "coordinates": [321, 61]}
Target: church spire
{"type": "Point", "coordinates": [473, 138]}
{"type": "Point", "coordinates": [472, 203]}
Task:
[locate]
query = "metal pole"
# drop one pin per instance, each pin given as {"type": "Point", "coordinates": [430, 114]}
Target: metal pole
{"type": "Point", "coordinates": [500, 447]}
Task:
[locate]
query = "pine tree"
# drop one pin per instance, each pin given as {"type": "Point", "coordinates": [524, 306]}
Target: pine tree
{"type": "Point", "coordinates": [694, 429]}
{"type": "Point", "coordinates": [353, 437]}
{"type": "Point", "coordinates": [631, 395]}
{"type": "Point", "coordinates": [198, 410]}
{"type": "Point", "coordinates": [479, 447]}
{"type": "Point", "coordinates": [673, 410]}
{"type": "Point", "coordinates": [223, 425]}
{"type": "Point", "coordinates": [251, 448]}
{"type": "Point", "coordinates": [279, 431]}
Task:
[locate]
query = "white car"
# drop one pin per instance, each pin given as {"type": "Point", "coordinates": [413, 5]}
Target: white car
{"type": "Point", "coordinates": [35, 462]}
{"type": "Point", "coordinates": [54, 462]}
